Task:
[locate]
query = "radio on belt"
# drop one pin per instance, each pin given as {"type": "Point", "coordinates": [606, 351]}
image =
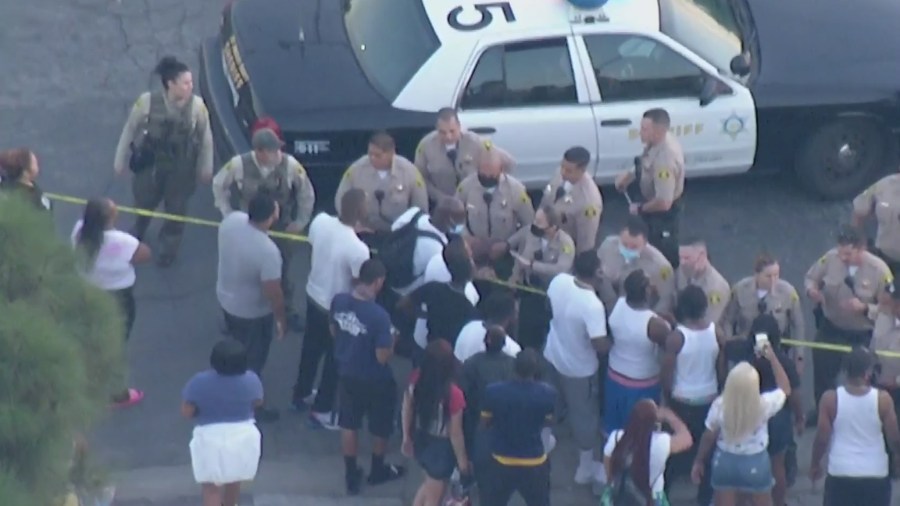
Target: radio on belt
{"type": "Point", "coordinates": [587, 11]}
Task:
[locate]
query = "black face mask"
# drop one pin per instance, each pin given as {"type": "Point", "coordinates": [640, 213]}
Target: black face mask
{"type": "Point", "coordinates": [488, 182]}
{"type": "Point", "coordinates": [537, 231]}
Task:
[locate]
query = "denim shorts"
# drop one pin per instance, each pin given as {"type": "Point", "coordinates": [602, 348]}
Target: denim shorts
{"type": "Point", "coordinates": [743, 473]}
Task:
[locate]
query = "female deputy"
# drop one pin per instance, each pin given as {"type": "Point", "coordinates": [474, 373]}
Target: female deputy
{"type": "Point", "coordinates": [18, 173]}
{"type": "Point", "coordinates": [167, 143]}
{"type": "Point", "coordinates": [108, 264]}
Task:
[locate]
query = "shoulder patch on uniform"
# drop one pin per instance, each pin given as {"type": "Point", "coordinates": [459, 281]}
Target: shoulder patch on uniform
{"type": "Point", "coordinates": [140, 101]}
{"type": "Point", "coordinates": [487, 144]}
{"type": "Point", "coordinates": [663, 174]}
{"type": "Point", "coordinates": [348, 173]}
{"type": "Point", "coordinates": [568, 249]}
{"type": "Point", "coordinates": [714, 298]}
{"type": "Point", "coordinates": [665, 272]}
{"type": "Point", "coordinates": [525, 198]}
{"type": "Point", "coordinates": [794, 296]}
{"type": "Point", "coordinates": [824, 258]}
{"type": "Point", "coordinates": [459, 188]}
{"type": "Point", "coordinates": [420, 181]}
{"type": "Point", "coordinates": [888, 278]}
{"type": "Point", "coordinates": [590, 211]}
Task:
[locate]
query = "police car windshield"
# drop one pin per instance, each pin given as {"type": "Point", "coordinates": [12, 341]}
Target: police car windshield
{"type": "Point", "coordinates": [706, 27]}
{"type": "Point", "coordinates": [392, 39]}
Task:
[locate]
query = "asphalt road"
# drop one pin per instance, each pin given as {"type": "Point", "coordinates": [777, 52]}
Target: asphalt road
{"type": "Point", "coordinates": [71, 70]}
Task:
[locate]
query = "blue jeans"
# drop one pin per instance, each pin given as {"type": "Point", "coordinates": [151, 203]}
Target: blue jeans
{"type": "Point", "coordinates": [750, 474]}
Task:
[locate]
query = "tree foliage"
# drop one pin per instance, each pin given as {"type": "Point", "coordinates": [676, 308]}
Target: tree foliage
{"type": "Point", "coordinates": [61, 355]}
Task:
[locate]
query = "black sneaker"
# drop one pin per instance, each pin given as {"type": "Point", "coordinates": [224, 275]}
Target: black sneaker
{"type": "Point", "coordinates": [295, 323]}
{"type": "Point", "coordinates": [265, 415]}
{"type": "Point", "coordinates": [354, 481]}
{"type": "Point", "coordinates": [388, 472]}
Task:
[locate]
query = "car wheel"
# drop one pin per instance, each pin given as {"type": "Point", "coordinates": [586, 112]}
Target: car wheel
{"type": "Point", "coordinates": [840, 159]}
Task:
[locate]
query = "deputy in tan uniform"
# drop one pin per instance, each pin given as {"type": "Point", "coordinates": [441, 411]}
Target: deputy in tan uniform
{"type": "Point", "coordinates": [659, 177]}
{"type": "Point", "coordinates": [766, 293]}
{"type": "Point", "coordinates": [846, 282]}
{"type": "Point", "coordinates": [577, 198]}
{"type": "Point", "coordinates": [167, 144]}
{"type": "Point", "coordinates": [449, 154]}
{"type": "Point", "coordinates": [886, 337]}
{"type": "Point", "coordinates": [542, 250]}
{"type": "Point", "coordinates": [268, 169]}
{"type": "Point", "coordinates": [391, 182]}
{"type": "Point", "coordinates": [882, 200]}
{"type": "Point", "coordinates": [624, 253]}
{"type": "Point", "coordinates": [695, 269]}
{"type": "Point", "coordinates": [497, 206]}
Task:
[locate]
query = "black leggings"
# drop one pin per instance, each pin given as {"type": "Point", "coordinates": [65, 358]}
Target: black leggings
{"type": "Point", "coordinates": [125, 298]}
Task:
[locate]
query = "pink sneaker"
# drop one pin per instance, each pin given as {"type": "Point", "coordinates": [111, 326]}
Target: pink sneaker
{"type": "Point", "coordinates": [134, 396]}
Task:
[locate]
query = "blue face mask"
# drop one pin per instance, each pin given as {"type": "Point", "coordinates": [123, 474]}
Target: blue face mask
{"type": "Point", "coordinates": [629, 255]}
{"type": "Point", "coordinates": [457, 229]}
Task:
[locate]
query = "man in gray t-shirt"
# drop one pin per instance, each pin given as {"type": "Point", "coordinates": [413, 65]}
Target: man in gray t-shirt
{"type": "Point", "coordinates": [249, 282]}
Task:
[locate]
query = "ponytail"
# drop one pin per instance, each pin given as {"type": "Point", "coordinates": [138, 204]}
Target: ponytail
{"type": "Point", "coordinates": [93, 227]}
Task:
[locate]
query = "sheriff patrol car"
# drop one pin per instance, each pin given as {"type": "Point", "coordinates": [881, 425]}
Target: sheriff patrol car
{"type": "Point", "coordinates": [804, 85]}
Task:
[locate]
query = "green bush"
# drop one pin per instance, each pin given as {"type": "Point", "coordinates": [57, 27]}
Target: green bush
{"type": "Point", "coordinates": [61, 355]}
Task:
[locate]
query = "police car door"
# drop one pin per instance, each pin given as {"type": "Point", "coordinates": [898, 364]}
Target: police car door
{"type": "Point", "coordinates": [713, 116]}
{"type": "Point", "coordinates": [526, 92]}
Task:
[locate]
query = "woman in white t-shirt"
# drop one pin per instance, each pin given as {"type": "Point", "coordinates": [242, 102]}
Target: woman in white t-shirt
{"type": "Point", "coordinates": [108, 258]}
{"type": "Point", "coordinates": [647, 448]}
{"type": "Point", "coordinates": [737, 424]}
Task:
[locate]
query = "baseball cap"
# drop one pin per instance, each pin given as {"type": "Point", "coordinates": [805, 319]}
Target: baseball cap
{"type": "Point", "coordinates": [266, 139]}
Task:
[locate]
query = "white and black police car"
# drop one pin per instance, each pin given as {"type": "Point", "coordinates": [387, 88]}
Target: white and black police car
{"type": "Point", "coordinates": [806, 85]}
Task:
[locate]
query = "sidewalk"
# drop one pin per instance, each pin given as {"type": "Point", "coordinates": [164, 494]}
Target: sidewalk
{"type": "Point", "coordinates": [318, 480]}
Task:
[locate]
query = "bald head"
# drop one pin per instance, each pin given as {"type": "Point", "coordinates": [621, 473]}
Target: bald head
{"type": "Point", "coordinates": [490, 163]}
{"type": "Point", "coordinates": [448, 212]}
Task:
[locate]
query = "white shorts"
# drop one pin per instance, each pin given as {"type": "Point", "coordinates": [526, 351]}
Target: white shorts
{"type": "Point", "coordinates": [225, 452]}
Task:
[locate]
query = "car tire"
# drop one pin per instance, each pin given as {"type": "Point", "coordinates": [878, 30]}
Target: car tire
{"type": "Point", "coordinates": [842, 158]}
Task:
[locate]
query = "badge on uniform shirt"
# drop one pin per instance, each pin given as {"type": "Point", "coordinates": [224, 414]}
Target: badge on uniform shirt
{"type": "Point", "coordinates": [665, 272]}
{"type": "Point", "coordinates": [568, 199]}
{"type": "Point", "coordinates": [399, 187]}
{"type": "Point", "coordinates": [503, 203]}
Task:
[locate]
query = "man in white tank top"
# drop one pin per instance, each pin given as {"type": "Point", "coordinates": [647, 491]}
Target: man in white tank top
{"type": "Point", "coordinates": [637, 334]}
{"type": "Point", "coordinates": [689, 376]}
{"type": "Point", "coordinates": [854, 420]}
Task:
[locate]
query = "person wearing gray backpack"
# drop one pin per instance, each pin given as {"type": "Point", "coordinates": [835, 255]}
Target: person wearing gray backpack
{"type": "Point", "coordinates": [635, 458]}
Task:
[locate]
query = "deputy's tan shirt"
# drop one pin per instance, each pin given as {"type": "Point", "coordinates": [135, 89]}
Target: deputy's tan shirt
{"type": "Point", "coordinates": [651, 261]}
{"type": "Point", "coordinates": [883, 200]}
{"type": "Point", "coordinates": [713, 284]}
{"type": "Point", "coordinates": [402, 185]}
{"type": "Point", "coordinates": [886, 337]}
{"type": "Point", "coordinates": [782, 302]}
{"type": "Point", "coordinates": [828, 275]}
{"type": "Point", "coordinates": [509, 211]}
{"type": "Point", "coordinates": [580, 206]}
{"type": "Point", "coordinates": [139, 113]}
{"type": "Point", "coordinates": [442, 176]}
{"type": "Point", "coordinates": [233, 173]}
{"type": "Point", "coordinates": [557, 255]}
{"type": "Point", "coordinates": [662, 168]}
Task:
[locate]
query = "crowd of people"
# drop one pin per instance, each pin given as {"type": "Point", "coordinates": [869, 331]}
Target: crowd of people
{"type": "Point", "coordinates": [516, 319]}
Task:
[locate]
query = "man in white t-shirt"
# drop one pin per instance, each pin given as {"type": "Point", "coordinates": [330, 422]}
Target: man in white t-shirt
{"type": "Point", "coordinates": [248, 284]}
{"type": "Point", "coordinates": [500, 309]}
{"type": "Point", "coordinates": [448, 218]}
{"type": "Point", "coordinates": [337, 255]}
{"type": "Point", "coordinates": [577, 332]}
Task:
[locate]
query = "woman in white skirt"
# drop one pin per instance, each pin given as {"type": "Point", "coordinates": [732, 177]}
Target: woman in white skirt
{"type": "Point", "coordinates": [225, 448]}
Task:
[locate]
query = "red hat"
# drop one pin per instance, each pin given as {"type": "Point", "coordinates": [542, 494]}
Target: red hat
{"type": "Point", "coordinates": [266, 122]}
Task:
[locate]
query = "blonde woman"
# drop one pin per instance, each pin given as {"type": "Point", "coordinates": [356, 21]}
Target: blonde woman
{"type": "Point", "coordinates": [737, 424]}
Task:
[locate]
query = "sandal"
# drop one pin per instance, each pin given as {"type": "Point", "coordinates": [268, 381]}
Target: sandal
{"type": "Point", "coordinates": [134, 396]}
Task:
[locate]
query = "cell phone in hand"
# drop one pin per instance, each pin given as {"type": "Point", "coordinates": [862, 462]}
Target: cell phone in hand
{"type": "Point", "coordinates": [762, 342]}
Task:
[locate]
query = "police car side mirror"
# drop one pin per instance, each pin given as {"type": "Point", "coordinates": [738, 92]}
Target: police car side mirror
{"type": "Point", "coordinates": [740, 65]}
{"type": "Point", "coordinates": [711, 89]}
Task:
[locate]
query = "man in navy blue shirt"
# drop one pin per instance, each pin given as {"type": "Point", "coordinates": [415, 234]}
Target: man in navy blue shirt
{"type": "Point", "coordinates": [515, 413]}
{"type": "Point", "coordinates": [363, 343]}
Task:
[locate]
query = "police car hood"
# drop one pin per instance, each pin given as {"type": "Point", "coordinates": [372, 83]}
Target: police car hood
{"type": "Point", "coordinates": [300, 63]}
{"type": "Point", "coordinates": [819, 52]}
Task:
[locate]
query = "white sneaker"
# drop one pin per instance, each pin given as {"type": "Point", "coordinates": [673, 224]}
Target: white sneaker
{"type": "Point", "coordinates": [325, 420]}
{"type": "Point", "coordinates": [584, 475]}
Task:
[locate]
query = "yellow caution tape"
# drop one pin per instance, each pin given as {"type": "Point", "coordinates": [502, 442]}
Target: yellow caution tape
{"type": "Point", "coordinates": [514, 286]}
